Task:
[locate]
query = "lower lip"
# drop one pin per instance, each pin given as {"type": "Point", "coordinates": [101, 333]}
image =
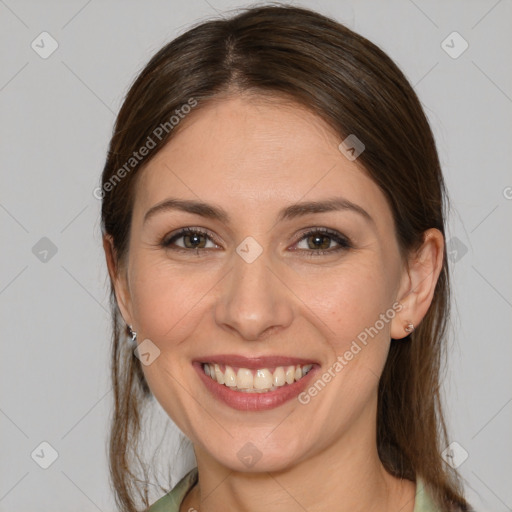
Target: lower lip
{"type": "Point", "coordinates": [254, 401]}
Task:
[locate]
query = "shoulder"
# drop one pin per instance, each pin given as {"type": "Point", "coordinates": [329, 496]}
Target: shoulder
{"type": "Point", "coordinates": [171, 501]}
{"type": "Point", "coordinates": [423, 501]}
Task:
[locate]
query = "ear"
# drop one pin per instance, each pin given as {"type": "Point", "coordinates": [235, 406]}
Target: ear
{"type": "Point", "coordinates": [419, 283]}
{"type": "Point", "coordinates": [118, 279]}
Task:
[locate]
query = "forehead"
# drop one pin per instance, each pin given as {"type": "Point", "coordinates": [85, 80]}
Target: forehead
{"type": "Point", "coordinates": [250, 152]}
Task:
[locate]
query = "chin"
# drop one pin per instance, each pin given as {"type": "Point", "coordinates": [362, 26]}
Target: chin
{"type": "Point", "coordinates": [257, 456]}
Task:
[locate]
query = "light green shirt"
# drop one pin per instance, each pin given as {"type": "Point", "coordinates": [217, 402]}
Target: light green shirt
{"type": "Point", "coordinates": [171, 502]}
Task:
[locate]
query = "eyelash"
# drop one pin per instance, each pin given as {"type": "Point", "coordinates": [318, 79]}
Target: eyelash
{"type": "Point", "coordinates": [343, 242]}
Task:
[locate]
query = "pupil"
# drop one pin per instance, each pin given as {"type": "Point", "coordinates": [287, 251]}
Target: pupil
{"type": "Point", "coordinates": [319, 242]}
{"type": "Point", "coordinates": [193, 241]}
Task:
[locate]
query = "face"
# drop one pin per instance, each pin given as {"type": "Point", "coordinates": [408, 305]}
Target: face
{"type": "Point", "coordinates": [285, 277]}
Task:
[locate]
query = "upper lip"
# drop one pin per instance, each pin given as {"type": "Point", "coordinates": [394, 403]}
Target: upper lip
{"type": "Point", "coordinates": [254, 363]}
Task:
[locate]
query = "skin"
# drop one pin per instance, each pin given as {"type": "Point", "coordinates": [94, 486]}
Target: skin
{"type": "Point", "coordinates": [252, 157]}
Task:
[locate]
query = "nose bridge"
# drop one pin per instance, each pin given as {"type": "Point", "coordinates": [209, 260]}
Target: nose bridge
{"type": "Point", "coordinates": [253, 300]}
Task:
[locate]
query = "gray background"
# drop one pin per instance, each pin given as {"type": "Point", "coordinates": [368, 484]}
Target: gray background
{"type": "Point", "coordinates": [57, 115]}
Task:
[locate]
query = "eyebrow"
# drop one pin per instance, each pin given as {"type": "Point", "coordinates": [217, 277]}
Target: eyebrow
{"type": "Point", "coordinates": [290, 212]}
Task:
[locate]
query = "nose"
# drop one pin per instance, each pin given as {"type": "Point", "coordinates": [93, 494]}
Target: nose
{"type": "Point", "coordinates": [253, 301]}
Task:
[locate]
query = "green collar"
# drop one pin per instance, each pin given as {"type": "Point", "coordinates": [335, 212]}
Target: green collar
{"type": "Point", "coordinates": [171, 502]}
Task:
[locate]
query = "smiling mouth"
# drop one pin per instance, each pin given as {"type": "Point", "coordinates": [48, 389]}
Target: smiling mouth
{"type": "Point", "coordinates": [261, 380]}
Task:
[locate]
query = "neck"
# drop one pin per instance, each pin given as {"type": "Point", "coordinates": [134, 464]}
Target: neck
{"type": "Point", "coordinates": [347, 477]}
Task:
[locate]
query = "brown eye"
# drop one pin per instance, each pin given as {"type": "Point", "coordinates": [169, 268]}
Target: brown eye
{"type": "Point", "coordinates": [322, 241]}
{"type": "Point", "coordinates": [189, 239]}
{"type": "Point", "coordinates": [194, 241]}
{"type": "Point", "coordinates": [319, 242]}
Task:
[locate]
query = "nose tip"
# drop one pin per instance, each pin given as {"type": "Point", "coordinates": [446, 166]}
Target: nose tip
{"type": "Point", "coordinates": [253, 302]}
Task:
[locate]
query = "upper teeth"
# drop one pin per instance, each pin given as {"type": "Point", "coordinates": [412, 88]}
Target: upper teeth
{"type": "Point", "coordinates": [254, 381]}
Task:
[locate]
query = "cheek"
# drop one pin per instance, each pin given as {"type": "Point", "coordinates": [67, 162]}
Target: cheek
{"type": "Point", "coordinates": [168, 308]}
{"type": "Point", "coordinates": [355, 306]}
{"type": "Point", "coordinates": [350, 299]}
{"type": "Point", "coordinates": [168, 302]}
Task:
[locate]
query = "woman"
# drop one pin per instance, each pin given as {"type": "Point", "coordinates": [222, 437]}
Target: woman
{"type": "Point", "coordinates": [273, 218]}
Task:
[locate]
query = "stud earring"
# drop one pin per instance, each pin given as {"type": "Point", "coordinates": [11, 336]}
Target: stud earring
{"type": "Point", "coordinates": [133, 334]}
{"type": "Point", "coordinates": [409, 328]}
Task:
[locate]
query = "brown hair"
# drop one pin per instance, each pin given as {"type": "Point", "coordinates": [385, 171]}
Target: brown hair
{"type": "Point", "coordinates": [356, 88]}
